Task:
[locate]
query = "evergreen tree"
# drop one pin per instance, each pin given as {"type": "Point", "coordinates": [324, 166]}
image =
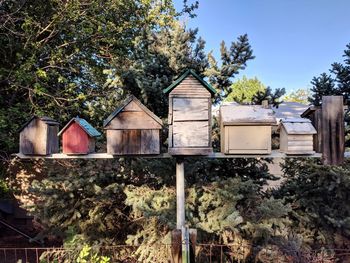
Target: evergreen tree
{"type": "Point", "coordinates": [322, 86]}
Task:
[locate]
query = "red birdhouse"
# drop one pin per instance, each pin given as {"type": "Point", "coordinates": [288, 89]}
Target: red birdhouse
{"type": "Point", "coordinates": [78, 137]}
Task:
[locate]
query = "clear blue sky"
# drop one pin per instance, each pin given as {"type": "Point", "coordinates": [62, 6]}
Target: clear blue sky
{"type": "Point", "coordinates": [293, 40]}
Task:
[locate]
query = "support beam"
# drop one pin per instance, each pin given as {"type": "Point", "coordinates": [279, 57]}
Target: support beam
{"type": "Point", "coordinates": [180, 193]}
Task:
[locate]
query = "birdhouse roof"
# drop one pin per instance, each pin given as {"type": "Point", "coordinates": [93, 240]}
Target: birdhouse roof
{"type": "Point", "coordinates": [87, 127]}
{"type": "Point", "coordinates": [298, 126]}
{"type": "Point", "coordinates": [47, 120]}
{"type": "Point", "coordinates": [124, 104]}
{"type": "Point", "coordinates": [186, 74]}
{"type": "Point", "coordinates": [246, 114]}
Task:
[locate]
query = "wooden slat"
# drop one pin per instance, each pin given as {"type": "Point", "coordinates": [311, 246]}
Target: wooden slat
{"type": "Point", "coordinates": [133, 120]}
{"type": "Point", "coordinates": [132, 106]}
{"type": "Point", "coordinates": [131, 141]}
{"type": "Point", "coordinates": [185, 109]}
{"type": "Point", "coordinates": [114, 142]}
{"type": "Point", "coordinates": [300, 143]}
{"type": "Point", "coordinates": [300, 148]}
{"type": "Point", "coordinates": [190, 134]}
{"type": "Point", "coordinates": [150, 142]}
{"type": "Point", "coordinates": [190, 151]}
{"type": "Point", "coordinates": [333, 131]}
{"type": "Point", "coordinates": [300, 137]}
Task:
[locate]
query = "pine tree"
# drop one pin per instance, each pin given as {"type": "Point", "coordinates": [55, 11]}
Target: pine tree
{"type": "Point", "coordinates": [323, 85]}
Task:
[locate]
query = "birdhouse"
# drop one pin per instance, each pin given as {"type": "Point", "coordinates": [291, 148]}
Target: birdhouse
{"type": "Point", "coordinates": [296, 136]}
{"type": "Point", "coordinates": [189, 115]}
{"type": "Point", "coordinates": [132, 129]}
{"type": "Point", "coordinates": [246, 129]}
{"type": "Point", "coordinates": [78, 137]}
{"type": "Point", "coordinates": [38, 136]}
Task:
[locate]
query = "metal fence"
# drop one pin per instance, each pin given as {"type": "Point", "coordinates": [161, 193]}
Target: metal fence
{"type": "Point", "coordinates": [205, 253]}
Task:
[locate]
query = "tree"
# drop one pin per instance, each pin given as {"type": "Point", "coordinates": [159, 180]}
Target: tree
{"type": "Point", "coordinates": [272, 97]}
{"type": "Point", "coordinates": [300, 96]}
{"type": "Point", "coordinates": [244, 89]}
{"type": "Point", "coordinates": [338, 83]}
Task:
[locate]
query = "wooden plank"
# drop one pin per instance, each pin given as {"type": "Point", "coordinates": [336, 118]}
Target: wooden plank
{"type": "Point", "coordinates": [150, 142]}
{"type": "Point", "coordinates": [176, 246]}
{"type": "Point", "coordinates": [53, 144]}
{"type": "Point", "coordinates": [333, 130]}
{"type": "Point", "coordinates": [33, 138]}
{"type": "Point", "coordinates": [300, 143]}
{"type": "Point", "coordinates": [185, 109]}
{"type": "Point", "coordinates": [132, 106]}
{"type": "Point", "coordinates": [133, 120]}
{"type": "Point", "coordinates": [170, 136]}
{"type": "Point", "coordinates": [190, 134]}
{"type": "Point", "coordinates": [249, 139]}
{"type": "Point", "coordinates": [188, 95]}
{"type": "Point", "coordinates": [300, 138]}
{"type": "Point", "coordinates": [114, 141]}
{"type": "Point", "coordinates": [300, 148]}
{"type": "Point", "coordinates": [209, 155]}
{"type": "Point", "coordinates": [190, 151]}
{"type": "Point", "coordinates": [131, 141]}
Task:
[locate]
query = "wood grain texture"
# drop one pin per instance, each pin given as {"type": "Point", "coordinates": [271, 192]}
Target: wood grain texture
{"type": "Point", "coordinates": [33, 138]}
{"type": "Point", "coordinates": [52, 139]}
{"type": "Point", "coordinates": [333, 130]}
{"type": "Point", "coordinates": [190, 134]}
{"type": "Point", "coordinates": [190, 85]}
{"type": "Point", "coordinates": [194, 151]}
{"type": "Point", "coordinates": [150, 142]}
{"type": "Point", "coordinates": [249, 139]}
{"type": "Point", "coordinates": [129, 120]}
{"type": "Point", "coordinates": [75, 140]}
{"type": "Point", "coordinates": [185, 109]}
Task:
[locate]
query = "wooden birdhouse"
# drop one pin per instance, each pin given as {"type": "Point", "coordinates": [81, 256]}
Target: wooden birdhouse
{"type": "Point", "coordinates": [78, 137]}
{"type": "Point", "coordinates": [132, 129]}
{"type": "Point", "coordinates": [189, 115]}
{"type": "Point", "coordinates": [246, 129]}
{"type": "Point", "coordinates": [38, 136]}
{"type": "Point", "coordinates": [296, 136]}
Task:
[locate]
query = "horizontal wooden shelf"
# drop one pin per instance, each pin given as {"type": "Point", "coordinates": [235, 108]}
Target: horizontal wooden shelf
{"type": "Point", "coordinates": [274, 154]}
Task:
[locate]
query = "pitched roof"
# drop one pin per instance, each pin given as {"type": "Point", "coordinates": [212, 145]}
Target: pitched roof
{"type": "Point", "coordinates": [45, 119]}
{"type": "Point", "coordinates": [298, 126]}
{"type": "Point", "coordinates": [246, 114]}
{"type": "Point", "coordinates": [289, 110]}
{"type": "Point", "coordinates": [87, 127]}
{"type": "Point", "coordinates": [186, 74]}
{"type": "Point", "coordinates": [124, 104]}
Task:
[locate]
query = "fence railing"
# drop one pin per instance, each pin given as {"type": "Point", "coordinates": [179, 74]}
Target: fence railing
{"type": "Point", "coordinates": [205, 253]}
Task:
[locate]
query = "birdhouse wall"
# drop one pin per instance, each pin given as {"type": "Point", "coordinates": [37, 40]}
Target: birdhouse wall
{"type": "Point", "coordinates": [33, 138]}
{"type": "Point", "coordinates": [75, 140]}
{"type": "Point", "coordinates": [52, 139]}
{"type": "Point", "coordinates": [246, 139]}
{"type": "Point", "coordinates": [296, 143]}
{"type": "Point", "coordinates": [133, 117]}
{"type": "Point", "coordinates": [189, 118]}
{"type": "Point", "coordinates": [133, 142]}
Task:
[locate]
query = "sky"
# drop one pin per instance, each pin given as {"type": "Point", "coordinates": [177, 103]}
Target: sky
{"type": "Point", "coordinates": [292, 40]}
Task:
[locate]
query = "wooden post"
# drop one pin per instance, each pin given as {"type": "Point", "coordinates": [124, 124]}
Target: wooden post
{"type": "Point", "coordinates": [333, 130]}
{"type": "Point", "coordinates": [180, 193]}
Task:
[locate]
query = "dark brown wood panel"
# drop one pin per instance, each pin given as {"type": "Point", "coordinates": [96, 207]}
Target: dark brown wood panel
{"type": "Point", "coordinates": [131, 141]}
{"type": "Point", "coordinates": [333, 133]}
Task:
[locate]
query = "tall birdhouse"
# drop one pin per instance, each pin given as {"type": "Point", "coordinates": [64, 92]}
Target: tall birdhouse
{"type": "Point", "coordinates": [38, 136]}
{"type": "Point", "coordinates": [78, 137]}
{"type": "Point", "coordinates": [296, 136]}
{"type": "Point", "coordinates": [132, 129]}
{"type": "Point", "coordinates": [246, 129]}
{"type": "Point", "coordinates": [189, 115]}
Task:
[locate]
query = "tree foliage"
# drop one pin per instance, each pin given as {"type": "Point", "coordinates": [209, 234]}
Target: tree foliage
{"type": "Point", "coordinates": [244, 89]}
{"type": "Point", "coordinates": [300, 96]}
